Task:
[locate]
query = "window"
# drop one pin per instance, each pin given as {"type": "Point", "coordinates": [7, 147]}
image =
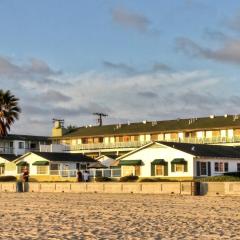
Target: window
{"type": "Point", "coordinates": [21, 145]}
{"type": "Point", "coordinates": [54, 169]}
{"type": "Point", "coordinates": [2, 170]}
{"type": "Point", "coordinates": [238, 167]}
{"type": "Point", "coordinates": [159, 170]}
{"type": "Point", "coordinates": [127, 170]}
{"type": "Point", "coordinates": [203, 168]}
{"type": "Point", "coordinates": [179, 167]}
{"type": "Point", "coordinates": [130, 170]}
{"type": "Point", "coordinates": [33, 145]}
{"type": "Point", "coordinates": [221, 167]}
{"type": "Point", "coordinates": [154, 137]}
{"type": "Point", "coordinates": [20, 169]}
{"type": "Point", "coordinates": [11, 144]}
{"type": "Point", "coordinates": [42, 169]}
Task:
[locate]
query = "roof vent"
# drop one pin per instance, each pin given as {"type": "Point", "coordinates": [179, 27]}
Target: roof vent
{"type": "Point", "coordinates": [144, 121]}
{"type": "Point", "coordinates": [212, 116]}
{"type": "Point", "coordinates": [128, 123]}
{"type": "Point", "coordinates": [118, 126]}
{"type": "Point", "coordinates": [225, 115]}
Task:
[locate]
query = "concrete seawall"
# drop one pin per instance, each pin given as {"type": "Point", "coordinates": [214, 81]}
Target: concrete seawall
{"type": "Point", "coordinates": [180, 188]}
{"type": "Point", "coordinates": [184, 188]}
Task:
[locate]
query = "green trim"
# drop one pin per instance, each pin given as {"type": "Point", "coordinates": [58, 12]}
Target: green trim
{"type": "Point", "coordinates": [158, 162]}
{"type": "Point", "coordinates": [130, 162]}
{"type": "Point", "coordinates": [22, 164]}
{"type": "Point", "coordinates": [41, 163]}
{"type": "Point", "coordinates": [179, 161]}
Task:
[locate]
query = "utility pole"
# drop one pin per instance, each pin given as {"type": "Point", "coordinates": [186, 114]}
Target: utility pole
{"type": "Point", "coordinates": [100, 116]}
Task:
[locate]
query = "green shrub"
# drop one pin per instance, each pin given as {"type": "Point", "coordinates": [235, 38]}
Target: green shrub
{"type": "Point", "coordinates": [129, 178]}
{"type": "Point", "coordinates": [221, 178]}
{"type": "Point", "coordinates": [103, 179]}
{"type": "Point", "coordinates": [232, 174]}
{"type": "Point", "coordinates": [8, 179]}
{"type": "Point", "coordinates": [157, 180]}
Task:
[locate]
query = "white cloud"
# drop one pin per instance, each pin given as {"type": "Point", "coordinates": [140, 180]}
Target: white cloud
{"type": "Point", "coordinates": [134, 97]}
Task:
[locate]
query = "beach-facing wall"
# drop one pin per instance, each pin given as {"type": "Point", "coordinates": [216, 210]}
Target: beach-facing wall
{"type": "Point", "coordinates": [184, 188]}
{"type": "Point", "coordinates": [181, 188]}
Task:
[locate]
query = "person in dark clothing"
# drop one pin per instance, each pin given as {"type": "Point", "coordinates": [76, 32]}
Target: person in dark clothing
{"type": "Point", "coordinates": [25, 175]}
{"type": "Point", "coordinates": [25, 179]}
{"type": "Point", "coordinates": [79, 176]}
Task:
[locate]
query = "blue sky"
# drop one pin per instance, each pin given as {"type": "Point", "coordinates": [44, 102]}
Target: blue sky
{"type": "Point", "coordinates": [134, 60]}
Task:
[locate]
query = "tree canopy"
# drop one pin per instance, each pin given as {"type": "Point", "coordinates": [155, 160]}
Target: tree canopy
{"type": "Point", "coordinates": [9, 111]}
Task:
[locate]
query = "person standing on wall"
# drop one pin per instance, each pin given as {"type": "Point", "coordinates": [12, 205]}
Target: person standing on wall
{"type": "Point", "coordinates": [25, 179]}
{"type": "Point", "coordinates": [85, 176]}
{"type": "Point", "coordinates": [79, 176]}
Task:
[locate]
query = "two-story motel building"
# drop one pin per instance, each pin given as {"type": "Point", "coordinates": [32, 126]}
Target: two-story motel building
{"type": "Point", "coordinates": [121, 138]}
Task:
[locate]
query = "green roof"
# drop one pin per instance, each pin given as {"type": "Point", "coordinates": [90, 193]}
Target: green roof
{"type": "Point", "coordinates": [179, 160]}
{"type": "Point", "coordinates": [177, 125]}
{"type": "Point", "coordinates": [130, 162]}
{"type": "Point", "coordinates": [22, 164]}
{"type": "Point", "coordinates": [158, 162]}
{"type": "Point", "coordinates": [41, 163]}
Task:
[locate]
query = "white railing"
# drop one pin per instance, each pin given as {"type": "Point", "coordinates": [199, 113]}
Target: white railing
{"type": "Point", "coordinates": [93, 146]}
{"type": "Point", "coordinates": [93, 173]}
{"type": "Point", "coordinates": [6, 150]}
{"type": "Point", "coordinates": [134, 144]}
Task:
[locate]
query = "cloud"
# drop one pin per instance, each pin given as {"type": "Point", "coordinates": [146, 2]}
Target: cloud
{"type": "Point", "coordinates": [144, 95]}
{"type": "Point", "coordinates": [234, 23]}
{"type": "Point", "coordinates": [131, 20]}
{"type": "Point", "coordinates": [229, 52]}
{"type": "Point", "coordinates": [161, 67]}
{"type": "Point", "coordinates": [54, 96]}
{"type": "Point", "coordinates": [215, 35]}
{"type": "Point", "coordinates": [122, 67]}
{"type": "Point", "coordinates": [147, 94]}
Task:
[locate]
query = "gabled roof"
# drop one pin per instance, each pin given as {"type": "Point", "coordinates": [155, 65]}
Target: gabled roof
{"type": "Point", "coordinates": [71, 157]}
{"type": "Point", "coordinates": [177, 125]}
{"type": "Point", "coordinates": [25, 137]}
{"type": "Point", "coordinates": [197, 150]}
{"type": "Point", "coordinates": [205, 150]}
{"type": "Point", "coordinates": [61, 157]}
{"type": "Point", "coordinates": [9, 157]}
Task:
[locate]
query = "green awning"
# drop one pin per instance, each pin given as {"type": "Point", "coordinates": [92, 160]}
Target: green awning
{"type": "Point", "coordinates": [179, 161]}
{"type": "Point", "coordinates": [158, 162]}
{"type": "Point", "coordinates": [22, 164]}
{"type": "Point", "coordinates": [2, 164]}
{"type": "Point", "coordinates": [130, 162]}
{"type": "Point", "coordinates": [41, 163]}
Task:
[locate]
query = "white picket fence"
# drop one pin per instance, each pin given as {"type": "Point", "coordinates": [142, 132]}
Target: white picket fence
{"type": "Point", "coordinates": [93, 173]}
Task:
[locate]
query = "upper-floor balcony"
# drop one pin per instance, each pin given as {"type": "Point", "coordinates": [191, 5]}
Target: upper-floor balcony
{"type": "Point", "coordinates": [17, 151]}
{"type": "Point", "coordinates": [136, 144]}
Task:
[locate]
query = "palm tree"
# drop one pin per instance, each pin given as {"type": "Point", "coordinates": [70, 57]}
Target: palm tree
{"type": "Point", "coordinates": [9, 111]}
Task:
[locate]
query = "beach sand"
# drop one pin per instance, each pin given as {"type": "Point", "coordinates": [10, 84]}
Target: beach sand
{"type": "Point", "coordinates": [117, 216]}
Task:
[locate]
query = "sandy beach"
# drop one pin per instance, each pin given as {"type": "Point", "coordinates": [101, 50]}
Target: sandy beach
{"type": "Point", "coordinates": [117, 216]}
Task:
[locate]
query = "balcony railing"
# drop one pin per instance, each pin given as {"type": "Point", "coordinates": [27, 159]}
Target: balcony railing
{"type": "Point", "coordinates": [95, 146]}
{"type": "Point", "coordinates": [9, 150]}
{"type": "Point", "coordinates": [136, 144]}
